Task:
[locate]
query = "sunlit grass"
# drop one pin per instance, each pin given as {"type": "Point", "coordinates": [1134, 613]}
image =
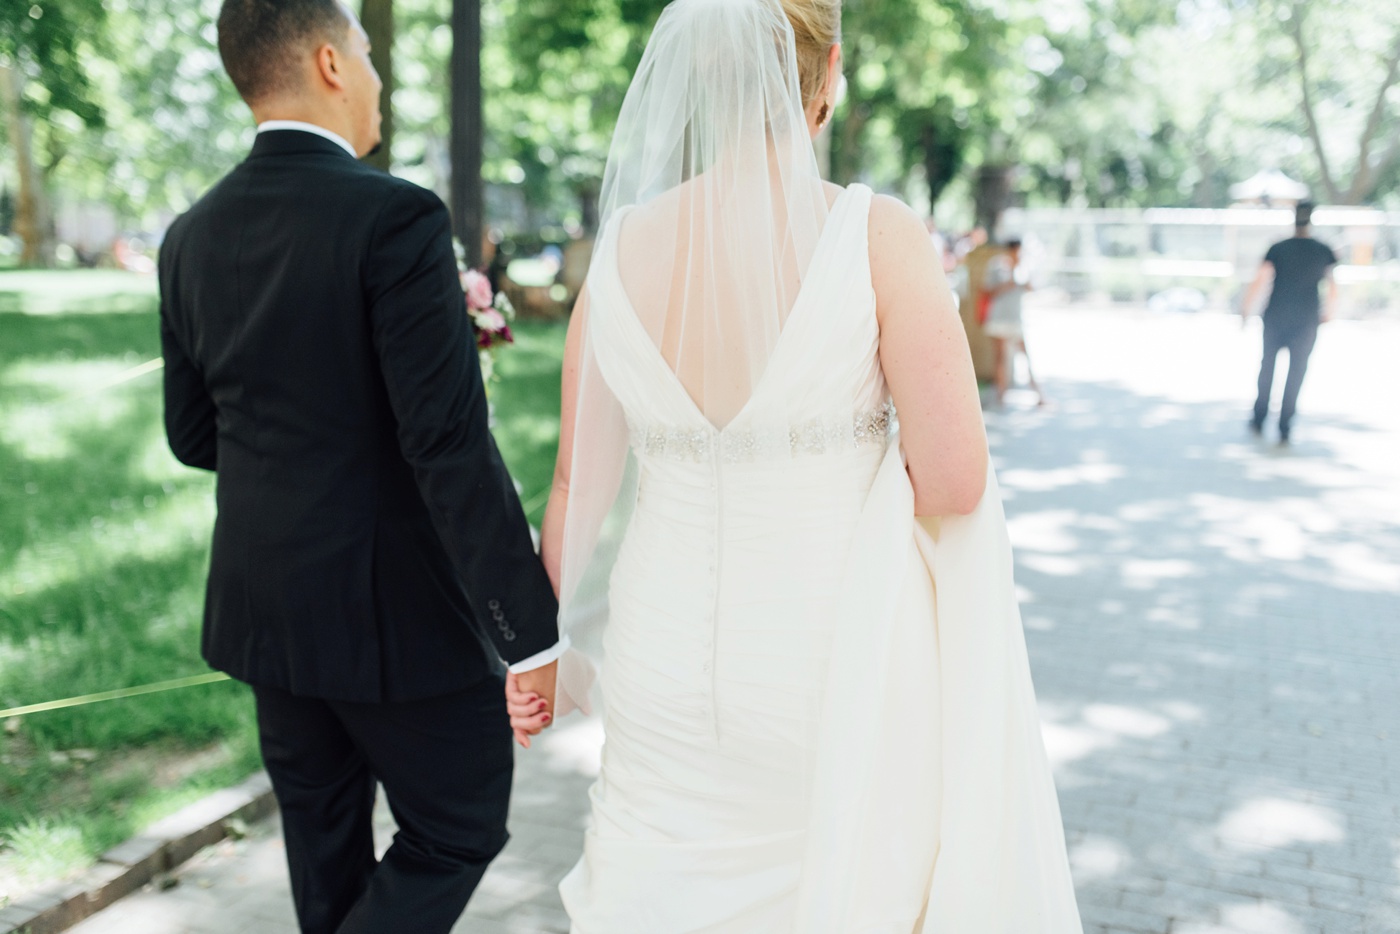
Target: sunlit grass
{"type": "Point", "coordinates": [527, 409]}
{"type": "Point", "coordinates": [42, 292]}
{"type": "Point", "coordinates": [104, 543]}
{"type": "Point", "coordinates": [41, 849]}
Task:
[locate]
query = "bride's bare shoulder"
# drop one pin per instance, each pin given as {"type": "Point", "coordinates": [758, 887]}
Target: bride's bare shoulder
{"type": "Point", "coordinates": [898, 238]}
{"type": "Point", "coordinates": [891, 217]}
{"type": "Point", "coordinates": [905, 268]}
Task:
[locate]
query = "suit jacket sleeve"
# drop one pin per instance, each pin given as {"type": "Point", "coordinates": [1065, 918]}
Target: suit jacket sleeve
{"type": "Point", "coordinates": [428, 357]}
{"type": "Point", "coordinates": [190, 416]}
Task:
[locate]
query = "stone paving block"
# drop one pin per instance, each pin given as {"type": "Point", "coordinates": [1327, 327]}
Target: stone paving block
{"type": "Point", "coordinates": [140, 852]}
{"type": "Point", "coordinates": [469, 925]}
{"type": "Point", "coordinates": [14, 917]}
{"type": "Point", "coordinates": [1121, 919]}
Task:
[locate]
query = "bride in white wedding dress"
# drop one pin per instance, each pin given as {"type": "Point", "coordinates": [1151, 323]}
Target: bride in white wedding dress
{"type": "Point", "coordinates": [818, 709]}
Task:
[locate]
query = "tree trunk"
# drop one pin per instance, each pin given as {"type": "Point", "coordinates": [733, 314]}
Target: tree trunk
{"type": "Point", "coordinates": [32, 220]}
{"type": "Point", "coordinates": [844, 133]}
{"type": "Point", "coordinates": [845, 142]}
{"type": "Point", "coordinates": [588, 208]}
{"type": "Point", "coordinates": [377, 16]}
{"type": "Point", "coordinates": [468, 206]}
{"type": "Point", "coordinates": [942, 159]}
{"type": "Point", "coordinates": [991, 195]}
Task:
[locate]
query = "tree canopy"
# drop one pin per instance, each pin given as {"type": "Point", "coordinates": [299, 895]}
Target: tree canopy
{"type": "Point", "coordinates": [1103, 103]}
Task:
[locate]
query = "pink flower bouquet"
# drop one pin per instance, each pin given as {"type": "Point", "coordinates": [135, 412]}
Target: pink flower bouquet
{"type": "Point", "coordinates": [490, 314]}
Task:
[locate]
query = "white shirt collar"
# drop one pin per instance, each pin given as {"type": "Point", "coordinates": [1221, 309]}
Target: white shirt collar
{"type": "Point", "coordinates": [308, 128]}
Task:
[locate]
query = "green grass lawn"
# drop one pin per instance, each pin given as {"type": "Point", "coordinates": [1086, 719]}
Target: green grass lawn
{"type": "Point", "coordinates": [103, 551]}
{"type": "Point", "coordinates": [527, 409]}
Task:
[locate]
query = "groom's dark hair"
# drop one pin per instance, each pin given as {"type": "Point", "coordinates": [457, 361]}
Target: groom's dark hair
{"type": "Point", "coordinates": [260, 41]}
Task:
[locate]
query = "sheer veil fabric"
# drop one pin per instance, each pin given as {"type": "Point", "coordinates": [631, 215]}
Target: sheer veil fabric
{"type": "Point", "coordinates": [714, 195]}
{"type": "Point", "coordinates": [729, 371]}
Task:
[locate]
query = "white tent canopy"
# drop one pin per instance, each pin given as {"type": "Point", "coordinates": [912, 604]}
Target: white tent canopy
{"type": "Point", "coordinates": [1269, 187]}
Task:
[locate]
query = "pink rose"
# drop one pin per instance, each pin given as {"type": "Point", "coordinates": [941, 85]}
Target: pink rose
{"type": "Point", "coordinates": [478, 290]}
{"type": "Point", "coordinates": [491, 320]}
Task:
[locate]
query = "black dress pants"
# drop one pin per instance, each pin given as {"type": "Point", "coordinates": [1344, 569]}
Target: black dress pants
{"type": "Point", "coordinates": [445, 764]}
{"type": "Point", "coordinates": [1299, 340]}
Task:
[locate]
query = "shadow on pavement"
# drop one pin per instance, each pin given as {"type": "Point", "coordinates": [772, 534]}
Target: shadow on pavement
{"type": "Point", "coordinates": [1212, 624]}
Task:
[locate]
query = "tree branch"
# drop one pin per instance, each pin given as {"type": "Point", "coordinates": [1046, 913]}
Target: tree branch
{"type": "Point", "coordinates": [1362, 182]}
{"type": "Point", "coordinates": [1314, 130]}
{"type": "Point", "coordinates": [57, 151]}
{"type": "Point", "coordinates": [1392, 155]}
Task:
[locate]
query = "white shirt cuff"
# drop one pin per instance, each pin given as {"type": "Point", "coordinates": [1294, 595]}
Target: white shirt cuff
{"type": "Point", "coordinates": [540, 659]}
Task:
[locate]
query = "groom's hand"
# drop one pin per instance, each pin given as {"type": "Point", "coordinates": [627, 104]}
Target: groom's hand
{"type": "Point", "coordinates": [530, 701]}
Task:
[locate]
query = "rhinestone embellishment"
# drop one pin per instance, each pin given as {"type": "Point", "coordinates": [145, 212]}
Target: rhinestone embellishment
{"type": "Point", "coordinates": [816, 437]}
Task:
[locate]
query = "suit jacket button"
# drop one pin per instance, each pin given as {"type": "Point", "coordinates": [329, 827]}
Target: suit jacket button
{"type": "Point", "coordinates": [508, 636]}
{"type": "Point", "coordinates": [493, 604]}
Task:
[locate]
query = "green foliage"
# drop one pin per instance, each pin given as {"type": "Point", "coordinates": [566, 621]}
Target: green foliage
{"type": "Point", "coordinates": [51, 41]}
{"type": "Point", "coordinates": [1099, 102]}
{"type": "Point", "coordinates": [562, 68]}
{"type": "Point", "coordinates": [920, 72]}
{"type": "Point", "coordinates": [176, 125]}
{"type": "Point", "coordinates": [1341, 63]}
{"type": "Point", "coordinates": [42, 849]}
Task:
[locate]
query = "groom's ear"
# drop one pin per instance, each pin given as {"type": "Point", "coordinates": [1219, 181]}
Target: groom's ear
{"type": "Point", "coordinates": [329, 66]}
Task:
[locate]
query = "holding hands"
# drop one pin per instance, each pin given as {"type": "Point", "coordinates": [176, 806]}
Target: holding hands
{"type": "Point", "coordinates": [530, 701]}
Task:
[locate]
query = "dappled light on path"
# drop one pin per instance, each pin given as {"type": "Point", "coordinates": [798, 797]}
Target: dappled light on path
{"type": "Point", "coordinates": [1212, 622]}
{"type": "Point", "coordinates": [1267, 823]}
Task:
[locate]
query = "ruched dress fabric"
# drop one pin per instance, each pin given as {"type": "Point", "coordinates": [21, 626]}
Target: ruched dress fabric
{"type": "Point", "coordinates": [778, 687]}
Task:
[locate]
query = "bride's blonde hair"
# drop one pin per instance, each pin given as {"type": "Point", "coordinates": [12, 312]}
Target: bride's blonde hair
{"type": "Point", "coordinates": [816, 25]}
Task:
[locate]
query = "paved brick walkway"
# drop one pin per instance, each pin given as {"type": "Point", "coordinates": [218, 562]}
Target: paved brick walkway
{"type": "Point", "coordinates": [1214, 626]}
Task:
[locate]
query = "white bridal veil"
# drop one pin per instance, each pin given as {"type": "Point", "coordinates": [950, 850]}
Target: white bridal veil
{"type": "Point", "coordinates": [712, 206]}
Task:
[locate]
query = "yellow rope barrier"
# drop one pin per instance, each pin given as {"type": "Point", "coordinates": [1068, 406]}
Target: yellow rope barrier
{"type": "Point", "coordinates": [125, 376]}
{"type": "Point", "coordinates": [536, 501]}
{"type": "Point", "coordinates": [86, 699]}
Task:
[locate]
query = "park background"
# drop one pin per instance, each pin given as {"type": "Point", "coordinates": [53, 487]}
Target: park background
{"type": "Point", "coordinates": [1148, 151]}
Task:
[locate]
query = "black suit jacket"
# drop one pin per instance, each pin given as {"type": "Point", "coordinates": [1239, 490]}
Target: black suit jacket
{"type": "Point", "coordinates": [369, 544]}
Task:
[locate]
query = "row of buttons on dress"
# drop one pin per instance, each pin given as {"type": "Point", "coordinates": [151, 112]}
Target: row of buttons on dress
{"type": "Point", "coordinates": [708, 642]}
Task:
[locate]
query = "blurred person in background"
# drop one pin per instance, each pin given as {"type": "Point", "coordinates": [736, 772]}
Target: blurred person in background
{"type": "Point", "coordinates": [1295, 267]}
{"type": "Point", "coordinates": [970, 241]}
{"type": "Point", "coordinates": [1004, 285]}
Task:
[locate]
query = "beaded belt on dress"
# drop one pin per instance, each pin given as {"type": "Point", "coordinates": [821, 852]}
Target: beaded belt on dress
{"type": "Point", "coordinates": [821, 436]}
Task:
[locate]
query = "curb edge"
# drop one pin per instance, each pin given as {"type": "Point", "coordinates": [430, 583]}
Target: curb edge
{"type": "Point", "coordinates": [127, 867]}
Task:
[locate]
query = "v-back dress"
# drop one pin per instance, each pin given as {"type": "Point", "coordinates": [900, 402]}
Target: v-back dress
{"type": "Point", "coordinates": [779, 687]}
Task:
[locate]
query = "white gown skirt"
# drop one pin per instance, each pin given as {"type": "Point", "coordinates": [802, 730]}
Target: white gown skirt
{"type": "Point", "coordinates": [718, 651]}
{"type": "Point", "coordinates": [774, 701]}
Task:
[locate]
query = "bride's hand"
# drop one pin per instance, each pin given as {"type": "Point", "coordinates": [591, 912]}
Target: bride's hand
{"type": "Point", "coordinates": [529, 712]}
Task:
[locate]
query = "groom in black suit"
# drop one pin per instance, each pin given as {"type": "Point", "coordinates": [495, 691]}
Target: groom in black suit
{"type": "Point", "coordinates": [372, 568]}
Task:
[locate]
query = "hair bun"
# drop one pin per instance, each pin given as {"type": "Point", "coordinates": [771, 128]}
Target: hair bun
{"type": "Point", "coordinates": [816, 27]}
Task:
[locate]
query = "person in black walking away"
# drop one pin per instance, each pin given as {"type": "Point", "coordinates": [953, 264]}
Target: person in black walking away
{"type": "Point", "coordinates": [1295, 267]}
